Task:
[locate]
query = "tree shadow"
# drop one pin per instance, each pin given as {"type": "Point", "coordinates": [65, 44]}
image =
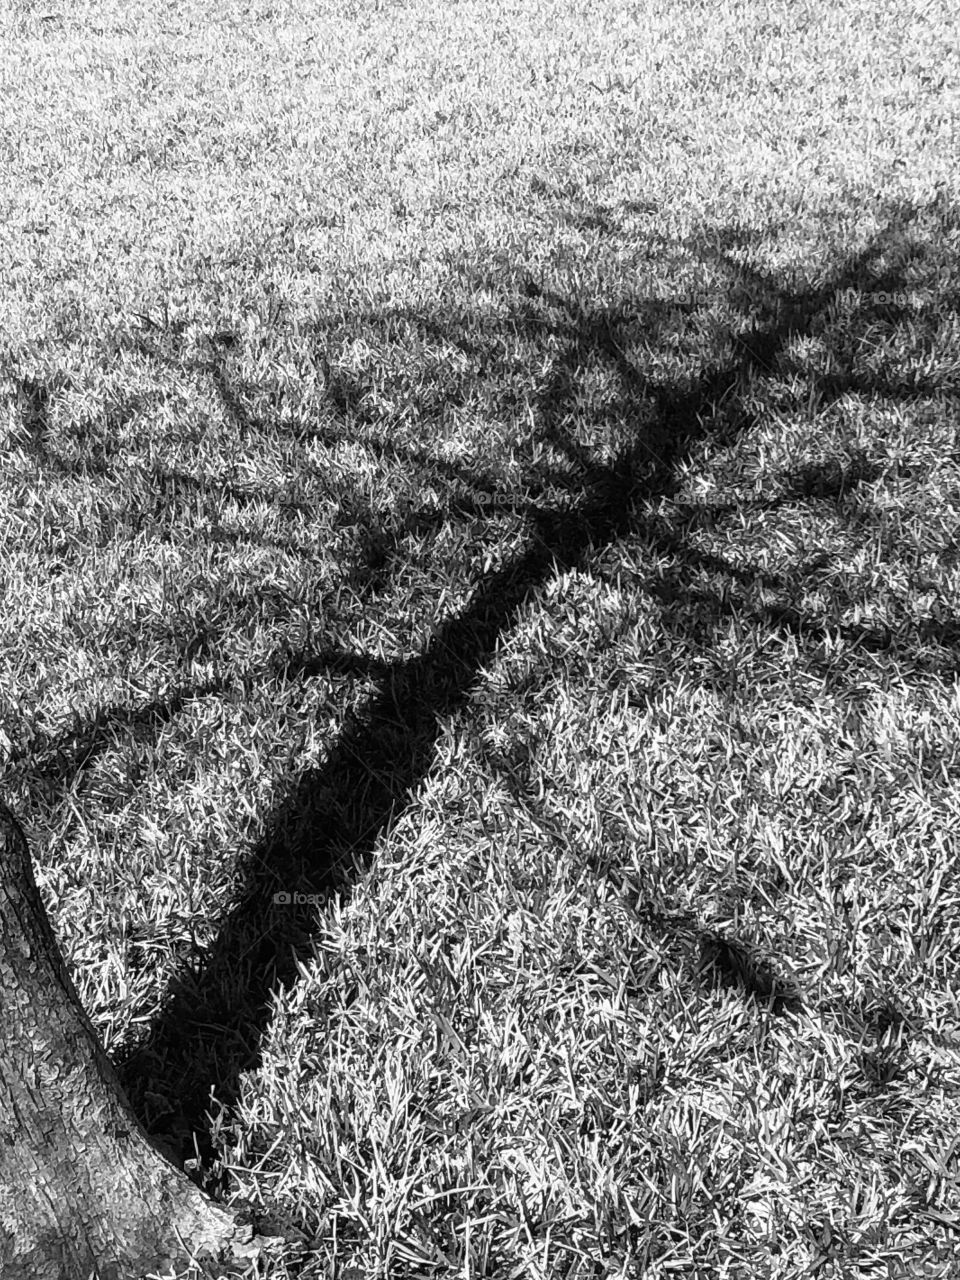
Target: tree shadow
{"type": "Point", "coordinates": [53, 758]}
{"type": "Point", "coordinates": [94, 438]}
{"type": "Point", "coordinates": [325, 830]}
{"type": "Point", "coordinates": [575, 497]}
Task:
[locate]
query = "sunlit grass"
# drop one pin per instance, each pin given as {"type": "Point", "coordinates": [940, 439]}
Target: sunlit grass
{"type": "Point", "coordinates": [496, 475]}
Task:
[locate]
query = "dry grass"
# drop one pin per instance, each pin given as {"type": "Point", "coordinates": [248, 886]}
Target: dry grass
{"type": "Point", "coordinates": [497, 475]}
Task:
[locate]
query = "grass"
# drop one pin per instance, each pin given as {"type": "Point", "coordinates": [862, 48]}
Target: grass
{"type": "Point", "coordinates": [496, 475]}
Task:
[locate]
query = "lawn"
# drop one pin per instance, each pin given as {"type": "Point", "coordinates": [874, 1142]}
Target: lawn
{"type": "Point", "coordinates": [480, 655]}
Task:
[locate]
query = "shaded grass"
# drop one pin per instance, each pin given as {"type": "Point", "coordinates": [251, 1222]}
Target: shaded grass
{"type": "Point", "coordinates": [537, 539]}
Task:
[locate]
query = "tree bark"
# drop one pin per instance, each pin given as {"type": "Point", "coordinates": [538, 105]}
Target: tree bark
{"type": "Point", "coordinates": [83, 1190]}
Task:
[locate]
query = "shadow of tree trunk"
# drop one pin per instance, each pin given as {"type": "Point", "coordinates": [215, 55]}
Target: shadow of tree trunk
{"type": "Point", "coordinates": [325, 830]}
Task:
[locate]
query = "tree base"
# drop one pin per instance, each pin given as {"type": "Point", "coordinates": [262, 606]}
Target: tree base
{"type": "Point", "coordinates": [83, 1190]}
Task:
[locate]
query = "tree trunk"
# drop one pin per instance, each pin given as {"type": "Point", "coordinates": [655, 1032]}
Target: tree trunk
{"type": "Point", "coordinates": [83, 1191]}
